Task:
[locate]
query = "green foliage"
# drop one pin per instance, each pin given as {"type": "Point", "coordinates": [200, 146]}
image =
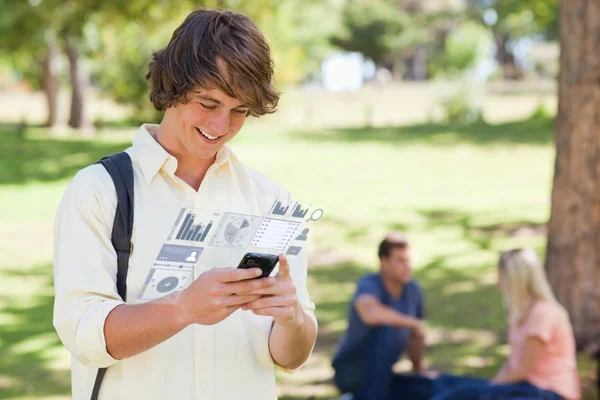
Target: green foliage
{"type": "Point", "coordinates": [298, 33]}
{"type": "Point", "coordinates": [120, 62]}
{"type": "Point", "coordinates": [461, 99]}
{"type": "Point", "coordinates": [378, 29]}
{"type": "Point", "coordinates": [518, 18]}
{"type": "Point", "coordinates": [125, 47]}
{"type": "Point", "coordinates": [7, 77]}
{"type": "Point", "coordinates": [25, 32]}
{"type": "Point", "coordinates": [541, 112]}
{"type": "Point", "coordinates": [467, 45]}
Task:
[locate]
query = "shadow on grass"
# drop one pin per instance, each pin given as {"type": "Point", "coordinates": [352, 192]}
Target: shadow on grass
{"type": "Point", "coordinates": [456, 300]}
{"type": "Point", "coordinates": [47, 159]}
{"type": "Point", "coordinates": [28, 342]}
{"type": "Point", "coordinates": [534, 131]}
{"type": "Point", "coordinates": [481, 235]}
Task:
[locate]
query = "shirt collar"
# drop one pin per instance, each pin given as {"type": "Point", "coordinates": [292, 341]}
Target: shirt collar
{"type": "Point", "coordinates": [152, 157]}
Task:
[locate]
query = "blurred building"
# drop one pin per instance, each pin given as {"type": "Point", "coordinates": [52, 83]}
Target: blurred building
{"type": "Point", "coordinates": [344, 72]}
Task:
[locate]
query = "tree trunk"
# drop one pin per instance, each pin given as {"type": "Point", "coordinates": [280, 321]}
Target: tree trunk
{"type": "Point", "coordinates": [50, 83]}
{"type": "Point", "coordinates": [420, 58]}
{"type": "Point", "coordinates": [598, 374]}
{"type": "Point", "coordinates": [502, 55]}
{"type": "Point", "coordinates": [77, 118]}
{"type": "Point", "coordinates": [573, 253]}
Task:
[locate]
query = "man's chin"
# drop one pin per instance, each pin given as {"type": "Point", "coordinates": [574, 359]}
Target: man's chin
{"type": "Point", "coordinates": [206, 154]}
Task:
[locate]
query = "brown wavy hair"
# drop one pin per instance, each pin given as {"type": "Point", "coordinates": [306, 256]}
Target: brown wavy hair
{"type": "Point", "coordinates": [214, 49]}
{"type": "Point", "coordinates": [393, 240]}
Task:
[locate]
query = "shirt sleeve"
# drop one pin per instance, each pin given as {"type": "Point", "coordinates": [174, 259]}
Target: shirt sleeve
{"type": "Point", "coordinates": [367, 285]}
{"type": "Point", "coordinates": [85, 266]}
{"type": "Point", "coordinates": [540, 322]}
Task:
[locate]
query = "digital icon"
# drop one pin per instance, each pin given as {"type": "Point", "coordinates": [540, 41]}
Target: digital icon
{"type": "Point", "coordinates": [192, 257]}
{"type": "Point", "coordinates": [192, 232]}
{"type": "Point", "coordinates": [302, 236]}
{"type": "Point", "coordinates": [279, 209]}
{"type": "Point", "coordinates": [162, 281]}
{"type": "Point", "coordinates": [316, 215]}
{"type": "Point", "coordinates": [293, 251]}
{"type": "Point", "coordinates": [236, 230]}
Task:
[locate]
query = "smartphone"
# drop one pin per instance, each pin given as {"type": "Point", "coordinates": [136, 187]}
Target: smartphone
{"type": "Point", "coordinates": [266, 262]}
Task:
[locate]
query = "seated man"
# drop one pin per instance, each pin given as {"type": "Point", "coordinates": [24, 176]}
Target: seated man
{"type": "Point", "coordinates": [384, 320]}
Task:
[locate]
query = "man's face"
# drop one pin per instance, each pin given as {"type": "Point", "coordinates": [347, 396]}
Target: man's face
{"type": "Point", "coordinates": [207, 121]}
{"type": "Point", "coordinates": [397, 266]}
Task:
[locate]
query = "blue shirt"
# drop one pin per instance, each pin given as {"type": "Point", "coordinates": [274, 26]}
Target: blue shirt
{"type": "Point", "coordinates": [350, 356]}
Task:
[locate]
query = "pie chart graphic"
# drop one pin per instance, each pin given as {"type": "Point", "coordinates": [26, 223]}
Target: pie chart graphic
{"type": "Point", "coordinates": [167, 284]}
{"type": "Point", "coordinates": [237, 230]}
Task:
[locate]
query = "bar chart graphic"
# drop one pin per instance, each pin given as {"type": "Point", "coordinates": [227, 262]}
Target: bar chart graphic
{"type": "Point", "coordinates": [299, 212]}
{"type": "Point", "coordinates": [190, 230]}
{"type": "Point", "coordinates": [279, 209]}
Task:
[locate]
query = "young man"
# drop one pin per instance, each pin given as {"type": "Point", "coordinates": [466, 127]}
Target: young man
{"type": "Point", "coordinates": [221, 337]}
{"type": "Point", "coordinates": [384, 320]}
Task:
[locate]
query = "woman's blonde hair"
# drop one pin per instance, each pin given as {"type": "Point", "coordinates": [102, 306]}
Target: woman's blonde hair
{"type": "Point", "coordinates": [524, 283]}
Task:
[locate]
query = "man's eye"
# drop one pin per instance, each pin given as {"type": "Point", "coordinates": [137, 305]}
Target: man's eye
{"type": "Point", "coordinates": [240, 111]}
{"type": "Point", "coordinates": [208, 107]}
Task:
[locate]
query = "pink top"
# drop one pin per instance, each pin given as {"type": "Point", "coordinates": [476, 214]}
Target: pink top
{"type": "Point", "coordinates": [556, 367]}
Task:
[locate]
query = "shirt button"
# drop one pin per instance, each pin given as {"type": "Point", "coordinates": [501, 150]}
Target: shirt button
{"type": "Point", "coordinates": [203, 388]}
{"type": "Point", "coordinates": [202, 347]}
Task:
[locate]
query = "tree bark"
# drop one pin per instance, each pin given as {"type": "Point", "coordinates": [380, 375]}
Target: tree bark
{"type": "Point", "coordinates": [77, 118]}
{"type": "Point", "coordinates": [502, 56]}
{"type": "Point", "coordinates": [573, 252]}
{"type": "Point", "coordinates": [419, 65]}
{"type": "Point", "coordinates": [50, 83]}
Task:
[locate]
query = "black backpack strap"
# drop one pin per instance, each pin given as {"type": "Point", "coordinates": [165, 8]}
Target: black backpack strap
{"type": "Point", "coordinates": [121, 171]}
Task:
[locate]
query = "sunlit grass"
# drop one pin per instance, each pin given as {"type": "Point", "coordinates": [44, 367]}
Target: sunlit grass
{"type": "Point", "coordinates": [462, 194]}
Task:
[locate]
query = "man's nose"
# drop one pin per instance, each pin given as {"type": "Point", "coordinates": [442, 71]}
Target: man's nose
{"type": "Point", "coordinates": [219, 125]}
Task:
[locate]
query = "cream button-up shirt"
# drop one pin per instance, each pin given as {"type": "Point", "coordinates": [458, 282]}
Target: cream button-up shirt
{"type": "Point", "coordinates": [229, 360]}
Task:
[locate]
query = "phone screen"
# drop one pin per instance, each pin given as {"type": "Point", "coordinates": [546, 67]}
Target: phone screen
{"type": "Point", "coordinates": [266, 262]}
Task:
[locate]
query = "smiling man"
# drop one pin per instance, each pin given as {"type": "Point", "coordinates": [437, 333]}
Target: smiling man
{"type": "Point", "coordinates": [221, 337]}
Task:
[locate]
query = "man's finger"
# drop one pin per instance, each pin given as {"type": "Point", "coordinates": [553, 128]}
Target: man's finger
{"type": "Point", "coordinates": [268, 302]}
{"type": "Point", "coordinates": [239, 300]}
{"type": "Point", "coordinates": [249, 286]}
{"type": "Point", "coordinates": [281, 312]}
{"type": "Point", "coordinates": [236, 274]}
{"type": "Point", "coordinates": [280, 288]}
{"type": "Point", "coordinates": [284, 267]}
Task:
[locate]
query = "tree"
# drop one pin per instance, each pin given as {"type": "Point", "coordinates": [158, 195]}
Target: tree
{"type": "Point", "coordinates": [42, 27]}
{"type": "Point", "coordinates": [118, 38]}
{"type": "Point", "coordinates": [513, 19]}
{"type": "Point", "coordinates": [27, 27]}
{"type": "Point", "coordinates": [466, 46]}
{"type": "Point", "coordinates": [377, 30]}
{"type": "Point", "coordinates": [573, 252]}
{"type": "Point", "coordinates": [298, 43]}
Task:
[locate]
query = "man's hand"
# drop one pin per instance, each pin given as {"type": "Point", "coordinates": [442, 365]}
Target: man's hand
{"type": "Point", "coordinates": [217, 293]}
{"type": "Point", "coordinates": [416, 347]}
{"type": "Point", "coordinates": [418, 330]}
{"type": "Point", "coordinates": [279, 300]}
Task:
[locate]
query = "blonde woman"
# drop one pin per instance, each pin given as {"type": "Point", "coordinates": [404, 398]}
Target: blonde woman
{"type": "Point", "coordinates": [542, 363]}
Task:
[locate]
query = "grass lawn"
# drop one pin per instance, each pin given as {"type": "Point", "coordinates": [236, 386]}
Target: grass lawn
{"type": "Point", "coordinates": [462, 194]}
